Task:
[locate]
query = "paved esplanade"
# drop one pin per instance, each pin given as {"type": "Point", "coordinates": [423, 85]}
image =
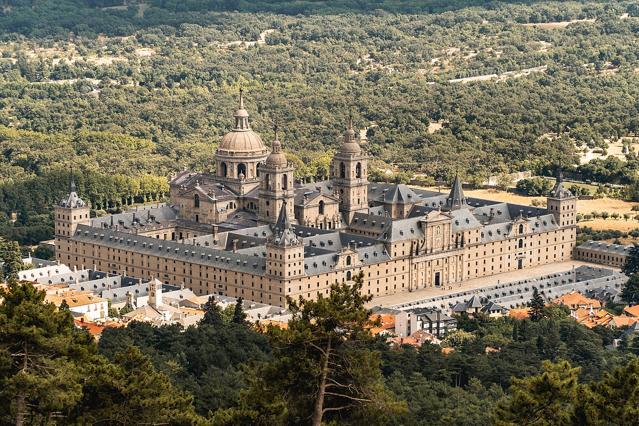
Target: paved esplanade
{"type": "Point", "coordinates": [524, 279]}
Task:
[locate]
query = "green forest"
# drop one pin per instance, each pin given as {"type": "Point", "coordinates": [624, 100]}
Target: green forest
{"type": "Point", "coordinates": [325, 368]}
{"type": "Point", "coordinates": [126, 94]}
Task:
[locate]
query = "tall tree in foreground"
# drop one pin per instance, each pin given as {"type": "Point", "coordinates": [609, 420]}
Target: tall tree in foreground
{"type": "Point", "coordinates": [546, 399]}
{"type": "Point", "coordinates": [536, 306]}
{"type": "Point", "coordinates": [630, 291]}
{"type": "Point", "coordinates": [631, 266]}
{"type": "Point", "coordinates": [11, 258]}
{"type": "Point", "coordinates": [131, 390]}
{"type": "Point", "coordinates": [322, 369]}
{"type": "Point", "coordinates": [614, 400]}
{"type": "Point", "coordinates": [39, 346]}
{"type": "Point", "coordinates": [239, 317]}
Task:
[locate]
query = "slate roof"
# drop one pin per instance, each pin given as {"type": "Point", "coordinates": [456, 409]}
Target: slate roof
{"type": "Point", "coordinates": [494, 307]}
{"type": "Point", "coordinates": [456, 199]}
{"type": "Point", "coordinates": [140, 218]}
{"type": "Point", "coordinates": [559, 191]}
{"type": "Point", "coordinates": [72, 200]}
{"type": "Point", "coordinates": [304, 194]}
{"type": "Point", "coordinates": [171, 249]}
{"type": "Point", "coordinates": [204, 184]}
{"type": "Point", "coordinates": [283, 233]}
{"type": "Point", "coordinates": [400, 194]}
{"type": "Point", "coordinates": [474, 302]}
{"type": "Point", "coordinates": [605, 247]}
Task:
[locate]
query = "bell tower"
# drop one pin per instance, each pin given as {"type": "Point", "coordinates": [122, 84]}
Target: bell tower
{"type": "Point", "coordinates": [349, 173]}
{"type": "Point", "coordinates": [276, 186]}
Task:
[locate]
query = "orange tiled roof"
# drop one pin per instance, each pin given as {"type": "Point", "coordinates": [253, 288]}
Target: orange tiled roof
{"type": "Point", "coordinates": [598, 317]}
{"type": "Point", "coordinates": [519, 313]}
{"type": "Point", "coordinates": [94, 328]}
{"type": "Point", "coordinates": [633, 311]}
{"type": "Point", "coordinates": [623, 321]}
{"type": "Point", "coordinates": [403, 341]}
{"type": "Point", "coordinates": [386, 321]}
{"type": "Point", "coordinates": [74, 298]}
{"type": "Point", "coordinates": [575, 299]}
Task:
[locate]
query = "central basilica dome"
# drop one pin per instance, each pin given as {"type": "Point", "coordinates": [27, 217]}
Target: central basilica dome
{"type": "Point", "coordinates": [242, 140]}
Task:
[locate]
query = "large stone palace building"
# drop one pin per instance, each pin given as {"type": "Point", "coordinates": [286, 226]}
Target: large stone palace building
{"type": "Point", "coordinates": [249, 230]}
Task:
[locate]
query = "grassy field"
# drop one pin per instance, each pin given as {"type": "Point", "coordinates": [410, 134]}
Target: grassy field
{"type": "Point", "coordinates": [584, 207]}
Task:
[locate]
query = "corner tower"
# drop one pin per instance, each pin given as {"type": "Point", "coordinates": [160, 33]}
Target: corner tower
{"type": "Point", "coordinates": [562, 204]}
{"type": "Point", "coordinates": [284, 250]}
{"type": "Point", "coordinates": [349, 173]}
{"type": "Point", "coordinates": [239, 154]}
{"type": "Point", "coordinates": [276, 186]}
{"type": "Point", "coordinates": [68, 214]}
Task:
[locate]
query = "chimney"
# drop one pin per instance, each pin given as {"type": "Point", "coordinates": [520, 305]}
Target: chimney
{"type": "Point", "coordinates": [234, 246]}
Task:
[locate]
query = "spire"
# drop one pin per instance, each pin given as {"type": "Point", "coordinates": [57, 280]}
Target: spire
{"type": "Point", "coordinates": [283, 233]}
{"type": "Point", "coordinates": [72, 200]}
{"type": "Point", "coordinates": [456, 199]}
{"type": "Point", "coordinates": [241, 115]}
{"type": "Point", "coordinates": [72, 182]}
{"type": "Point", "coordinates": [349, 134]}
{"type": "Point", "coordinates": [558, 191]}
{"type": "Point", "coordinates": [350, 145]}
{"type": "Point", "coordinates": [277, 145]}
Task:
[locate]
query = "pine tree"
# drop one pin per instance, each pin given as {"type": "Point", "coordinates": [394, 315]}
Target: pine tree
{"type": "Point", "coordinates": [64, 306]}
{"type": "Point", "coordinates": [239, 317]}
{"type": "Point", "coordinates": [131, 390]}
{"type": "Point", "coordinates": [39, 349]}
{"type": "Point", "coordinates": [321, 367]}
{"type": "Point", "coordinates": [546, 399]}
{"type": "Point", "coordinates": [631, 266]}
{"type": "Point", "coordinates": [630, 291]}
{"type": "Point", "coordinates": [536, 306]}
{"type": "Point", "coordinates": [613, 400]}
{"type": "Point", "coordinates": [212, 313]}
{"type": "Point", "coordinates": [12, 258]}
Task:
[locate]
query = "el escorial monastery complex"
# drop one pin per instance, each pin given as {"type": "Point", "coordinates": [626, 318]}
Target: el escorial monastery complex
{"type": "Point", "coordinates": [249, 230]}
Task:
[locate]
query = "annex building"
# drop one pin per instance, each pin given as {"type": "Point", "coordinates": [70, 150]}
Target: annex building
{"type": "Point", "coordinates": [249, 230]}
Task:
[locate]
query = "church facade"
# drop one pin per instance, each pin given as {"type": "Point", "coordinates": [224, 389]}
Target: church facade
{"type": "Point", "coordinates": [249, 230]}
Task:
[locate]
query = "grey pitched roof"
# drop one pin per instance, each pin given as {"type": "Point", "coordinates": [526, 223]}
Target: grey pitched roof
{"type": "Point", "coordinates": [171, 249]}
{"type": "Point", "coordinates": [494, 307]}
{"type": "Point", "coordinates": [305, 194]}
{"type": "Point", "coordinates": [142, 218]}
{"type": "Point", "coordinates": [400, 194]}
{"type": "Point", "coordinates": [387, 193]}
{"type": "Point", "coordinates": [460, 307]}
{"type": "Point", "coordinates": [456, 199]}
{"type": "Point", "coordinates": [369, 223]}
{"type": "Point", "coordinates": [605, 247]}
{"type": "Point", "coordinates": [204, 184]}
{"type": "Point", "coordinates": [474, 302]}
{"type": "Point", "coordinates": [402, 229]}
{"type": "Point", "coordinates": [633, 329]}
